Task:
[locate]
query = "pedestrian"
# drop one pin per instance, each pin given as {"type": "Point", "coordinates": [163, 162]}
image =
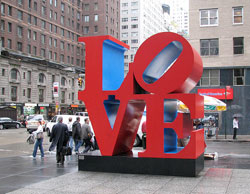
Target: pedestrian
{"type": "Point", "coordinates": [87, 135]}
{"type": "Point", "coordinates": [235, 126]}
{"type": "Point", "coordinates": [70, 123]}
{"type": "Point", "coordinates": [59, 138]}
{"type": "Point", "coordinates": [39, 140]}
{"type": "Point", "coordinates": [76, 134]}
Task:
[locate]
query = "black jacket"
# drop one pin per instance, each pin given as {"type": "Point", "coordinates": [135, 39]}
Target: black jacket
{"type": "Point", "coordinates": [76, 131]}
{"type": "Point", "coordinates": [59, 137]}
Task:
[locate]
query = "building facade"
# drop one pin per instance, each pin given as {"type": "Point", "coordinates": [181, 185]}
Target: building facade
{"type": "Point", "coordinates": [139, 19]}
{"type": "Point", "coordinates": [219, 31]}
{"type": "Point", "coordinates": [39, 46]}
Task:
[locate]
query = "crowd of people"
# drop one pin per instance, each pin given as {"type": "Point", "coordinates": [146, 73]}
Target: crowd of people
{"type": "Point", "coordinates": [64, 137]}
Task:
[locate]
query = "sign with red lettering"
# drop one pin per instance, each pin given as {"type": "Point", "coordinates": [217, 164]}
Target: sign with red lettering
{"type": "Point", "coordinates": [219, 93]}
{"type": "Point", "coordinates": [165, 68]}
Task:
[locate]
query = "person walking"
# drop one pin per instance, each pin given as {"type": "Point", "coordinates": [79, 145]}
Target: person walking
{"type": "Point", "coordinates": [76, 134]}
{"type": "Point", "coordinates": [87, 135]}
{"type": "Point", "coordinates": [59, 138]}
{"type": "Point", "coordinates": [39, 140]}
{"type": "Point", "coordinates": [70, 123]}
{"type": "Point", "coordinates": [235, 126]}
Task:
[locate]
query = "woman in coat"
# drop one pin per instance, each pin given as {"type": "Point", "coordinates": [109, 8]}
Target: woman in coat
{"type": "Point", "coordinates": [39, 140]}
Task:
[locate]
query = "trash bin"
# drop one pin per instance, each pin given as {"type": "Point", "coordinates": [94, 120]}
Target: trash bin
{"type": "Point", "coordinates": [144, 140]}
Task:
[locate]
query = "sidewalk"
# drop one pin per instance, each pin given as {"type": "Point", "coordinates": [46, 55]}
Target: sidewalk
{"type": "Point", "coordinates": [221, 138]}
{"type": "Point", "coordinates": [210, 180]}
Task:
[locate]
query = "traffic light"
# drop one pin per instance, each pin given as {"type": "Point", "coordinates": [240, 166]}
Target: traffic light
{"type": "Point", "coordinates": [79, 81]}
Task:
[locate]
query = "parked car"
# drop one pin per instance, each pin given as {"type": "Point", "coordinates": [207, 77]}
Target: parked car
{"type": "Point", "coordinates": [54, 120]}
{"type": "Point", "coordinates": [32, 122]}
{"type": "Point", "coordinates": [85, 114]}
{"type": "Point", "coordinates": [6, 122]}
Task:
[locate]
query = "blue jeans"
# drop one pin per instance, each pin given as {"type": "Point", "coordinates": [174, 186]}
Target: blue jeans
{"type": "Point", "coordinates": [71, 142]}
{"type": "Point", "coordinates": [78, 144]}
{"type": "Point", "coordinates": [39, 143]}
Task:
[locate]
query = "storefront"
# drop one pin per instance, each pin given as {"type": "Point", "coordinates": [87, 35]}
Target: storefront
{"type": "Point", "coordinates": [29, 108]}
{"type": "Point", "coordinates": [43, 109]}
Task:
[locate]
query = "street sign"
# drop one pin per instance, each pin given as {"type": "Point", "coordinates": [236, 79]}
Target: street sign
{"type": "Point", "coordinates": [55, 89]}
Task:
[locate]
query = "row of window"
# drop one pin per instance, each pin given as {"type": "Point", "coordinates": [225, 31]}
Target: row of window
{"type": "Point", "coordinates": [133, 11]}
{"type": "Point", "coordinates": [133, 3]}
{"type": "Point", "coordinates": [211, 77]}
{"type": "Point", "coordinates": [210, 47]}
{"type": "Point", "coordinates": [41, 94]}
{"type": "Point", "coordinates": [132, 19]}
{"type": "Point", "coordinates": [210, 17]}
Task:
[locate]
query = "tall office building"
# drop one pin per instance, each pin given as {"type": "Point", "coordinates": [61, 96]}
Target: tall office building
{"type": "Point", "coordinates": [219, 31]}
{"type": "Point", "coordinates": [140, 19]}
{"type": "Point", "coordinates": [39, 44]}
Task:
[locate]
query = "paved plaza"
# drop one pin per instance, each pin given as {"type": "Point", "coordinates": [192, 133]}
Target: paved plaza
{"type": "Point", "coordinates": [19, 173]}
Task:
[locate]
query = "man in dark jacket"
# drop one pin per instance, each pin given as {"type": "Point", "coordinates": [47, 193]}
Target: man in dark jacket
{"type": "Point", "coordinates": [87, 135]}
{"type": "Point", "coordinates": [59, 138]}
{"type": "Point", "coordinates": [76, 134]}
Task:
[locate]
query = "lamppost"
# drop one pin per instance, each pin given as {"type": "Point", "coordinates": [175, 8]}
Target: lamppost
{"type": "Point", "coordinates": [226, 113]}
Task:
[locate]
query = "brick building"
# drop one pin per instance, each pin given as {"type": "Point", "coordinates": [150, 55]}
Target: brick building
{"type": "Point", "coordinates": [39, 42]}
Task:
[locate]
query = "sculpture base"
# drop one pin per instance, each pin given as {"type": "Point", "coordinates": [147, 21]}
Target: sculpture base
{"type": "Point", "coordinates": [133, 164]}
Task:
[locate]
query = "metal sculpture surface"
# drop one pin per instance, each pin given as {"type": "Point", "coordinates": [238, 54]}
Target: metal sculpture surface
{"type": "Point", "coordinates": [165, 68]}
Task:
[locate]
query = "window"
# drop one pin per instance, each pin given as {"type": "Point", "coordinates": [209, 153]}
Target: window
{"type": "Point", "coordinates": [41, 95]}
{"type": "Point", "coordinates": [50, 41]}
{"type": "Point", "coordinates": [125, 41]}
{"type": "Point", "coordinates": [19, 46]}
{"type": "Point", "coordinates": [124, 27]}
{"type": "Point", "coordinates": [34, 36]}
{"type": "Point", "coordinates": [2, 41]}
{"type": "Point", "coordinates": [209, 47]}
{"type": "Point", "coordinates": [55, 43]}
{"type": "Point", "coordinates": [19, 15]}
{"type": "Point", "coordinates": [238, 44]}
{"type": "Point", "coordinates": [209, 17]}
{"type": "Point", "coordinates": [86, 7]}
{"type": "Point", "coordinates": [35, 6]}
{"type": "Point", "coordinates": [237, 15]}
{"type": "Point", "coordinates": [134, 3]}
{"type": "Point", "coordinates": [96, 17]}
{"type": "Point", "coordinates": [78, 15]}
{"type": "Point", "coordinates": [96, 6]}
{"type": "Point", "coordinates": [134, 41]}
{"type": "Point", "coordinates": [43, 53]}
{"type": "Point", "coordinates": [29, 93]}
{"type": "Point", "coordinates": [55, 3]}
{"type": "Point", "coordinates": [9, 43]}
{"type": "Point", "coordinates": [55, 29]}
{"type": "Point", "coordinates": [61, 58]}
{"type": "Point", "coordinates": [55, 16]}
{"type": "Point", "coordinates": [63, 97]}
{"type": "Point", "coordinates": [51, 2]}
{"type": "Point", "coordinates": [62, 45]}
{"type": "Point", "coordinates": [55, 56]}
{"type": "Point", "coordinates": [23, 92]}
{"type": "Point", "coordinates": [62, 20]}
{"type": "Point", "coordinates": [50, 27]}
{"type": "Point", "coordinates": [239, 77]}
{"type": "Point", "coordinates": [124, 12]}
{"type": "Point", "coordinates": [41, 78]}
{"type": "Point", "coordinates": [35, 20]}
{"type": "Point", "coordinates": [73, 96]}
{"type": "Point", "coordinates": [134, 34]}
{"type": "Point", "coordinates": [3, 72]}
{"type": "Point", "coordinates": [43, 38]}
{"type": "Point", "coordinates": [43, 24]}
{"type": "Point", "coordinates": [43, 10]}
{"type": "Point", "coordinates": [86, 18]}
{"type": "Point", "coordinates": [34, 50]}
{"type": "Point", "coordinates": [133, 19]}
{"type": "Point", "coordinates": [125, 35]}
{"type": "Point", "coordinates": [9, 10]}
{"type": "Point", "coordinates": [134, 11]}
{"type": "Point", "coordinates": [134, 26]}
{"type": "Point", "coordinates": [124, 19]}
{"type": "Point", "coordinates": [19, 31]}
{"type": "Point", "coordinates": [86, 30]}
{"type": "Point", "coordinates": [29, 19]}
{"type": "Point", "coordinates": [50, 54]}
{"type": "Point", "coordinates": [63, 81]}
{"type": "Point", "coordinates": [62, 7]}
{"type": "Point", "coordinates": [124, 4]}
{"type": "Point", "coordinates": [20, 2]}
{"type": "Point", "coordinates": [95, 28]}
{"type": "Point", "coordinates": [50, 14]}
{"type": "Point", "coordinates": [29, 48]}
{"type": "Point", "coordinates": [210, 77]}
{"type": "Point", "coordinates": [13, 74]}
{"type": "Point", "coordinates": [24, 75]}
{"type": "Point", "coordinates": [2, 25]}
{"type": "Point", "coordinates": [2, 8]}
{"type": "Point", "coordinates": [3, 91]}
{"type": "Point", "coordinates": [13, 93]}
{"type": "Point", "coordinates": [62, 32]}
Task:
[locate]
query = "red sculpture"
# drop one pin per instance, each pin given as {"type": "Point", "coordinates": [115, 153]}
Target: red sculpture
{"type": "Point", "coordinates": [165, 67]}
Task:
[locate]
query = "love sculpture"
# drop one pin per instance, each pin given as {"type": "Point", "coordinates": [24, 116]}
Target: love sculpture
{"type": "Point", "coordinates": [165, 68]}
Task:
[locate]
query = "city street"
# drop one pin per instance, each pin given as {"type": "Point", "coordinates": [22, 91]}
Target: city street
{"type": "Point", "coordinates": [18, 170]}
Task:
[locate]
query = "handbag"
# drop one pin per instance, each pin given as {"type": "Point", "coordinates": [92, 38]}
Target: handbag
{"type": "Point", "coordinates": [40, 135]}
{"type": "Point", "coordinates": [67, 151]}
